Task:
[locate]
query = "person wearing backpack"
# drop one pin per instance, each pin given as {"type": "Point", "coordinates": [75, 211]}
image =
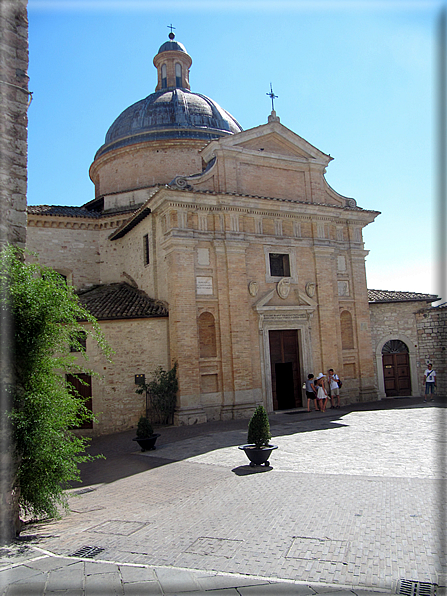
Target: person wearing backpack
{"type": "Point", "coordinates": [334, 385]}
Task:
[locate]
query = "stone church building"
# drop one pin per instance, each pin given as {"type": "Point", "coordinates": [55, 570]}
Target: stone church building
{"type": "Point", "coordinates": [224, 250]}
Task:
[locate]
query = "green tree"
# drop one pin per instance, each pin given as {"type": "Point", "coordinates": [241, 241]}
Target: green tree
{"type": "Point", "coordinates": [40, 320]}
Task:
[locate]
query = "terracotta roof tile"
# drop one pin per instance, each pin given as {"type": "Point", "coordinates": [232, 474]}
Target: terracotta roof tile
{"type": "Point", "coordinates": [62, 210]}
{"type": "Point", "coordinates": [120, 301]}
{"type": "Point", "coordinates": [375, 296]}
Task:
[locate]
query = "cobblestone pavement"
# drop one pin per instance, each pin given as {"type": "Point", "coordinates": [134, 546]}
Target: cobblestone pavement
{"type": "Point", "coordinates": [352, 505]}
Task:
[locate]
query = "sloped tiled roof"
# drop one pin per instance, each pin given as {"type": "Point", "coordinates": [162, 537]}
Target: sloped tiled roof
{"type": "Point", "coordinates": [391, 296]}
{"type": "Point", "coordinates": [120, 301]}
{"type": "Point", "coordinates": [65, 211]}
{"type": "Point", "coordinates": [62, 210]}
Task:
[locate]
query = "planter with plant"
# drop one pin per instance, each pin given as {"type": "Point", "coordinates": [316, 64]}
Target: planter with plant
{"type": "Point", "coordinates": [258, 449]}
{"type": "Point", "coordinates": [145, 435]}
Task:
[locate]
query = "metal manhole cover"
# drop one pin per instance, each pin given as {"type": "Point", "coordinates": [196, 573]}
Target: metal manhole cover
{"type": "Point", "coordinates": [87, 552]}
{"type": "Point", "coordinates": [120, 528]}
{"type": "Point", "coordinates": [321, 549]}
{"type": "Point", "coordinates": [414, 588]}
{"type": "Point", "coordinates": [220, 547]}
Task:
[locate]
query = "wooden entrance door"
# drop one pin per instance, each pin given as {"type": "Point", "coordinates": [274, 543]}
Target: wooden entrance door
{"type": "Point", "coordinates": [84, 391]}
{"type": "Point", "coordinates": [396, 374]}
{"type": "Point", "coordinates": [284, 362]}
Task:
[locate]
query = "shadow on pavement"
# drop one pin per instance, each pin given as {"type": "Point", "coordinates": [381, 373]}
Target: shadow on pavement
{"type": "Point", "coordinates": [122, 459]}
{"type": "Point", "coordinates": [247, 470]}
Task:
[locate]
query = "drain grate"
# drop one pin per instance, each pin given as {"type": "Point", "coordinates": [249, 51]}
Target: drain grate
{"type": "Point", "coordinates": [413, 588]}
{"type": "Point", "coordinates": [87, 552]}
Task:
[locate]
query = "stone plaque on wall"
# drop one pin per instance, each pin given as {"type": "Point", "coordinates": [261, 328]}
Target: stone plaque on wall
{"type": "Point", "coordinates": [203, 256]}
{"type": "Point", "coordinates": [343, 288]}
{"type": "Point", "coordinates": [204, 285]}
{"type": "Point", "coordinates": [341, 263]}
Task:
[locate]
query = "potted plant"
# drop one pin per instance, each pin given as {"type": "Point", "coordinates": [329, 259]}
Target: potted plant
{"type": "Point", "coordinates": [145, 435]}
{"type": "Point", "coordinates": [258, 449]}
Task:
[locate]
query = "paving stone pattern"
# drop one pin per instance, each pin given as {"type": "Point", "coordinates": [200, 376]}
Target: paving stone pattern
{"type": "Point", "coordinates": [352, 504]}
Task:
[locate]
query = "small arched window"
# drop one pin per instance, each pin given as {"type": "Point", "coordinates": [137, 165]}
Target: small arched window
{"type": "Point", "coordinates": [395, 346]}
{"type": "Point", "coordinates": [178, 75]}
{"type": "Point", "coordinates": [347, 331]}
{"type": "Point", "coordinates": [164, 77]}
{"type": "Point", "coordinates": [207, 335]}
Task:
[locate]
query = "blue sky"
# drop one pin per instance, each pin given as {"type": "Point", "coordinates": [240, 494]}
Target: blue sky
{"type": "Point", "coordinates": [356, 79]}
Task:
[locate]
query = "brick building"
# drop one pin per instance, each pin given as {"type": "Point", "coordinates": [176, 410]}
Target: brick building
{"type": "Point", "coordinates": [407, 333]}
{"type": "Point", "coordinates": [258, 261]}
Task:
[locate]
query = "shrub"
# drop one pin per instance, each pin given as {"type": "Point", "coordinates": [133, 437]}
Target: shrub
{"type": "Point", "coordinates": [259, 428]}
{"type": "Point", "coordinates": [162, 391]}
{"type": "Point", "coordinates": [144, 428]}
{"type": "Point", "coordinates": [39, 457]}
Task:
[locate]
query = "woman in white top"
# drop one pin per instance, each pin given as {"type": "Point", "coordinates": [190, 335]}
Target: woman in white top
{"type": "Point", "coordinates": [321, 392]}
{"type": "Point", "coordinates": [333, 379]}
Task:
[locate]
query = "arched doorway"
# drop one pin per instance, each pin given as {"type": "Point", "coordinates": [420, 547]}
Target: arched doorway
{"type": "Point", "coordinates": [396, 368]}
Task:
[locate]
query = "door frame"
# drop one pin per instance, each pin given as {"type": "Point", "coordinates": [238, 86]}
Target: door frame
{"type": "Point", "coordinates": [297, 388]}
{"type": "Point", "coordinates": [395, 366]}
{"type": "Point", "coordinates": [271, 318]}
{"type": "Point", "coordinates": [412, 353]}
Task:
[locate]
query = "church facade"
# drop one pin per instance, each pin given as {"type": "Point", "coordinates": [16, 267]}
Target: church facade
{"type": "Point", "coordinates": [224, 250]}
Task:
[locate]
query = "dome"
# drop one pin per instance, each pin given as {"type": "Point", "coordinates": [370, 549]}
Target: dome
{"type": "Point", "coordinates": [172, 46]}
{"type": "Point", "coordinates": [173, 111]}
{"type": "Point", "coordinates": [169, 114]}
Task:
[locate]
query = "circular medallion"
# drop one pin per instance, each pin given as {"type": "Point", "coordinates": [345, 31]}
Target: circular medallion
{"type": "Point", "coordinates": [283, 288]}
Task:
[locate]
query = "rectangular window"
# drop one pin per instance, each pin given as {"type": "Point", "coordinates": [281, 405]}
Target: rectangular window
{"type": "Point", "coordinates": [146, 249]}
{"type": "Point", "coordinates": [81, 342]}
{"type": "Point", "coordinates": [279, 265]}
{"type": "Point", "coordinates": [81, 386]}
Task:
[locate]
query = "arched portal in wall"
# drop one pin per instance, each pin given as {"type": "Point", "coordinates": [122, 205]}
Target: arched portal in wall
{"type": "Point", "coordinates": [396, 368]}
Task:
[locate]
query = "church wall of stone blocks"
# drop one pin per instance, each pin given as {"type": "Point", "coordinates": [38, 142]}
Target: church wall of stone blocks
{"type": "Point", "coordinates": [220, 249]}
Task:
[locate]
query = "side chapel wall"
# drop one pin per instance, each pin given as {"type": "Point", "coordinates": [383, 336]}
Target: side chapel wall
{"type": "Point", "coordinates": [140, 345]}
{"type": "Point", "coordinates": [70, 247]}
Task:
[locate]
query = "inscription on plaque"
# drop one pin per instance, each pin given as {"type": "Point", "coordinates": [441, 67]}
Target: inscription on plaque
{"type": "Point", "coordinates": [204, 285]}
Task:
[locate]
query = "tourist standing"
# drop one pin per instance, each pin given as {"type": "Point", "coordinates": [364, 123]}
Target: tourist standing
{"type": "Point", "coordinates": [311, 392]}
{"type": "Point", "coordinates": [334, 387]}
{"type": "Point", "coordinates": [430, 382]}
{"type": "Point", "coordinates": [321, 392]}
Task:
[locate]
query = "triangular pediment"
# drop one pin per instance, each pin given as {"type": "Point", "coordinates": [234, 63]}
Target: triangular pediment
{"type": "Point", "coordinates": [275, 144]}
{"type": "Point", "coordinates": [295, 300]}
{"type": "Point", "coordinates": [274, 139]}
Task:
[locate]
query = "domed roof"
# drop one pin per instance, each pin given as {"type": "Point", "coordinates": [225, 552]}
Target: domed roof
{"type": "Point", "coordinates": [172, 112]}
{"type": "Point", "coordinates": [172, 46]}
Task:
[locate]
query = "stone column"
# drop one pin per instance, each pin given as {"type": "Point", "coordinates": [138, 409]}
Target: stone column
{"type": "Point", "coordinates": [330, 345]}
{"type": "Point", "coordinates": [183, 334]}
{"type": "Point", "coordinates": [235, 333]}
{"type": "Point", "coordinates": [362, 328]}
